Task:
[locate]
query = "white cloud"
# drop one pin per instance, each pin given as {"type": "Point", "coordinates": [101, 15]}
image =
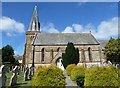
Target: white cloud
{"type": "Point", "coordinates": [77, 27]}
{"type": "Point", "coordinates": [16, 52]}
{"type": "Point", "coordinates": [49, 28]}
{"type": "Point", "coordinates": [9, 26]}
{"type": "Point", "coordinates": [68, 30]}
{"type": "Point", "coordinates": [8, 34]}
{"type": "Point", "coordinates": [108, 28]}
{"type": "Point", "coordinates": [104, 30]}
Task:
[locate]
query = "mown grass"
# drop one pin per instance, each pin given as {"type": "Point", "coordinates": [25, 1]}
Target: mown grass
{"type": "Point", "coordinates": [20, 81]}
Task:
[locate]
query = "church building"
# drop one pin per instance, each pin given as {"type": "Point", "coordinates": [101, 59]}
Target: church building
{"type": "Point", "coordinates": [47, 48]}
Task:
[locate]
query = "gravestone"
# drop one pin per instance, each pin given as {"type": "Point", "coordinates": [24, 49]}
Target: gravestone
{"type": "Point", "coordinates": [24, 67]}
{"type": "Point", "coordinates": [3, 70]}
{"type": "Point", "coordinates": [18, 70]}
{"type": "Point", "coordinates": [31, 72]}
{"type": "Point", "coordinates": [13, 79]}
{"type": "Point", "coordinates": [26, 74]}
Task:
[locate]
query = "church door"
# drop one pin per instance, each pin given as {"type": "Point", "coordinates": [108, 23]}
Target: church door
{"type": "Point", "coordinates": [59, 64]}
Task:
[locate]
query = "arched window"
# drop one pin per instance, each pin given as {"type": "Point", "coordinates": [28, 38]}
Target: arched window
{"type": "Point", "coordinates": [51, 53]}
{"type": "Point", "coordinates": [42, 54]}
{"type": "Point", "coordinates": [33, 25]}
{"type": "Point", "coordinates": [89, 54]}
{"type": "Point", "coordinates": [82, 55]}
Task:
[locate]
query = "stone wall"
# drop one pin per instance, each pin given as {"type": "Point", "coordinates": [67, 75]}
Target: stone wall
{"type": "Point", "coordinates": [96, 54]}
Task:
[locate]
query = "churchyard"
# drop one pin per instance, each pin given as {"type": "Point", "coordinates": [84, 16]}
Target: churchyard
{"type": "Point", "coordinates": [76, 76]}
{"type": "Point", "coordinates": [15, 77]}
{"type": "Point", "coordinates": [20, 80]}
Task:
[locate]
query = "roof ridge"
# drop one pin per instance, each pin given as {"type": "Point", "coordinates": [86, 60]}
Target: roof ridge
{"type": "Point", "coordinates": [64, 33]}
{"type": "Point", "coordinates": [95, 39]}
{"type": "Point", "coordinates": [64, 38]}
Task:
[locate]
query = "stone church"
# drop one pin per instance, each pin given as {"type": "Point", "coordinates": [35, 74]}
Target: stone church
{"type": "Point", "coordinates": [47, 48]}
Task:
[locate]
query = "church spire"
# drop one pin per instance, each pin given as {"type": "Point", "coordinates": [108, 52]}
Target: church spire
{"type": "Point", "coordinates": [34, 24]}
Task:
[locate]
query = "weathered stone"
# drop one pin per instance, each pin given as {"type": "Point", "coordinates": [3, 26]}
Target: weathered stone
{"type": "Point", "coordinates": [26, 74]}
{"type": "Point", "coordinates": [14, 77]}
{"type": "Point", "coordinates": [19, 70]}
{"type": "Point", "coordinates": [3, 70]}
{"type": "Point", "coordinates": [31, 72]}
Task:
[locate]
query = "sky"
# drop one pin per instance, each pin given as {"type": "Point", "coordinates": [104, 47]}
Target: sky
{"type": "Point", "coordinates": [99, 18]}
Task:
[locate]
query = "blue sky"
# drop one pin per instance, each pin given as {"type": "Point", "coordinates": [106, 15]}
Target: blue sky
{"type": "Point", "coordinates": [101, 18]}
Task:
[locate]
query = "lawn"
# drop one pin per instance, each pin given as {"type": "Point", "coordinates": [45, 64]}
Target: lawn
{"type": "Point", "coordinates": [20, 81]}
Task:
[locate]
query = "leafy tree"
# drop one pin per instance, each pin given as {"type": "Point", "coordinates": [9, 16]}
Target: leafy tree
{"type": "Point", "coordinates": [112, 50]}
{"type": "Point", "coordinates": [7, 54]}
{"type": "Point", "coordinates": [71, 55]}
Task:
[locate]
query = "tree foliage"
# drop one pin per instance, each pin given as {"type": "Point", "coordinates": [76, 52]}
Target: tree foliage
{"type": "Point", "coordinates": [71, 55]}
{"type": "Point", "coordinates": [112, 50]}
{"type": "Point", "coordinates": [7, 54]}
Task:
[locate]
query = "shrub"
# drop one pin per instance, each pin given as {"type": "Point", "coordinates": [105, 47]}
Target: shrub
{"type": "Point", "coordinates": [50, 76]}
{"type": "Point", "coordinates": [69, 69]}
{"type": "Point", "coordinates": [102, 76]}
{"type": "Point", "coordinates": [76, 72]}
{"type": "Point", "coordinates": [80, 81]}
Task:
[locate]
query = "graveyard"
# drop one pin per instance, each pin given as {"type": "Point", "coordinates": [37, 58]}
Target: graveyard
{"type": "Point", "coordinates": [14, 78]}
{"type": "Point", "coordinates": [20, 80]}
{"type": "Point", "coordinates": [53, 76]}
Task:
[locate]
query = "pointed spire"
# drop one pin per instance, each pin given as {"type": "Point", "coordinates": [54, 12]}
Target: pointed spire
{"type": "Point", "coordinates": [35, 12]}
{"type": "Point", "coordinates": [34, 24]}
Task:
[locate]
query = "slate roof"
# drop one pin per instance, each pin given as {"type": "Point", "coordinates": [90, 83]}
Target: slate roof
{"type": "Point", "coordinates": [18, 57]}
{"type": "Point", "coordinates": [103, 43]}
{"type": "Point", "coordinates": [64, 38]}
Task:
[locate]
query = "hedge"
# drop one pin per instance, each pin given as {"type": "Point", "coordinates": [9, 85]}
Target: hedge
{"type": "Point", "coordinates": [69, 69]}
{"type": "Point", "coordinates": [76, 72]}
{"type": "Point", "coordinates": [102, 76]}
{"type": "Point", "coordinates": [50, 76]}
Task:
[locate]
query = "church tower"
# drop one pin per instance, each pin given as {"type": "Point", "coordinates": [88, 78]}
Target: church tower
{"type": "Point", "coordinates": [33, 30]}
{"type": "Point", "coordinates": [34, 27]}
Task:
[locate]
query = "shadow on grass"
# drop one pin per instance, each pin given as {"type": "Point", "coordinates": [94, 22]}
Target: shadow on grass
{"type": "Point", "coordinates": [28, 79]}
{"type": "Point", "coordinates": [20, 83]}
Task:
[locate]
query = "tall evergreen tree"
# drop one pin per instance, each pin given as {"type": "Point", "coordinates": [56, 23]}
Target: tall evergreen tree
{"type": "Point", "coordinates": [71, 55]}
{"type": "Point", "coordinates": [7, 54]}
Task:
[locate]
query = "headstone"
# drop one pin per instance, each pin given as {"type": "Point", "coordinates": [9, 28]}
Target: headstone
{"type": "Point", "coordinates": [118, 66]}
{"type": "Point", "coordinates": [3, 70]}
{"type": "Point", "coordinates": [18, 70]}
{"type": "Point", "coordinates": [13, 79]}
{"type": "Point", "coordinates": [109, 63]}
{"type": "Point", "coordinates": [23, 68]}
{"type": "Point", "coordinates": [26, 74]}
{"type": "Point", "coordinates": [31, 72]}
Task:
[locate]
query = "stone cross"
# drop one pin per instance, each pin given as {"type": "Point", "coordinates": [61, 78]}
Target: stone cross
{"type": "Point", "coordinates": [13, 79]}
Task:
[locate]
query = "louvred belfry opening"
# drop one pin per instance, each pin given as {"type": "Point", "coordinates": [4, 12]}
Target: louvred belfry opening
{"type": "Point", "coordinates": [34, 24]}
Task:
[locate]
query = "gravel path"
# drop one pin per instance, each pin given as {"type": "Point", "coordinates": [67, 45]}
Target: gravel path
{"type": "Point", "coordinates": [69, 82]}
